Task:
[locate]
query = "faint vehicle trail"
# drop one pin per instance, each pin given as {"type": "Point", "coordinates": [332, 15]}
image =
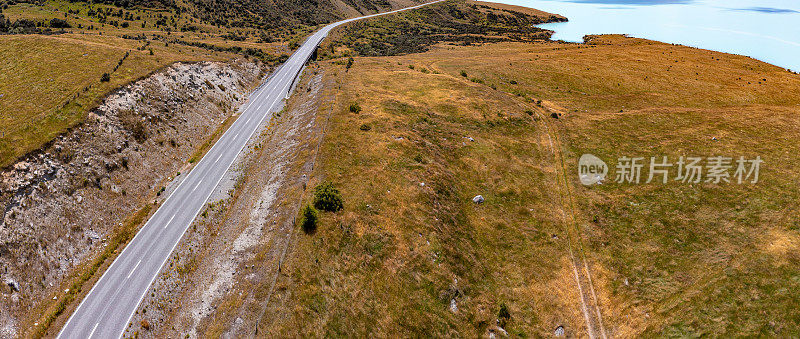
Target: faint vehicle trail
{"type": "Point", "coordinates": [583, 276]}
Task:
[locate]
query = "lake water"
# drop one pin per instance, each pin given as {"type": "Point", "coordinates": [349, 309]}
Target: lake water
{"type": "Point", "coordinates": [768, 30]}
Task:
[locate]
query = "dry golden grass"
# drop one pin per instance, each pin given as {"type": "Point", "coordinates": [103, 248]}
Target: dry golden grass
{"type": "Point", "coordinates": [391, 262]}
{"type": "Point", "coordinates": [49, 82]}
{"type": "Point", "coordinates": [519, 9]}
{"type": "Point", "coordinates": [673, 259]}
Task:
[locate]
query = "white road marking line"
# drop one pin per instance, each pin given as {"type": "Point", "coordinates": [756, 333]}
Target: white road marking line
{"type": "Point", "coordinates": [133, 270]}
{"type": "Point", "coordinates": [220, 156]}
{"type": "Point", "coordinates": [93, 329]}
{"type": "Point", "coordinates": [198, 184]}
{"type": "Point", "coordinates": [262, 90]}
{"type": "Point", "coordinates": [170, 221]}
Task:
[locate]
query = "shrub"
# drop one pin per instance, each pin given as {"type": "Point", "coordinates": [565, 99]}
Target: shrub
{"type": "Point", "coordinates": [349, 63]}
{"type": "Point", "coordinates": [504, 315]}
{"type": "Point", "coordinates": [309, 217]}
{"type": "Point", "coordinates": [463, 73]}
{"type": "Point", "coordinates": [365, 127]}
{"type": "Point", "coordinates": [355, 108]}
{"type": "Point", "coordinates": [133, 123]}
{"type": "Point", "coordinates": [327, 197]}
{"type": "Point", "coordinates": [59, 23]}
{"type": "Point", "coordinates": [105, 77]}
{"type": "Point", "coordinates": [424, 70]}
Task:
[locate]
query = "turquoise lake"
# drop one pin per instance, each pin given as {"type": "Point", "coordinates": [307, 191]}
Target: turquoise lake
{"type": "Point", "coordinates": [768, 30]}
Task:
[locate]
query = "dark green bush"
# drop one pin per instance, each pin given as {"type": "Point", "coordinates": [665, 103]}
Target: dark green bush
{"type": "Point", "coordinates": [463, 73]}
{"type": "Point", "coordinates": [309, 219]}
{"type": "Point", "coordinates": [327, 197]}
{"type": "Point", "coordinates": [365, 127]}
{"type": "Point", "coordinates": [504, 315]}
{"type": "Point", "coordinates": [106, 77]}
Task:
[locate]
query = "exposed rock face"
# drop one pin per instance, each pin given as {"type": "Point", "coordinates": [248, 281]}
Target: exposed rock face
{"type": "Point", "coordinates": [61, 204]}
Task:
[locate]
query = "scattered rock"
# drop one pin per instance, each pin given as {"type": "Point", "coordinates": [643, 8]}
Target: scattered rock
{"type": "Point", "coordinates": [453, 306]}
{"type": "Point", "coordinates": [422, 184]}
{"type": "Point", "coordinates": [502, 331]}
{"type": "Point", "coordinates": [92, 235]}
{"type": "Point", "coordinates": [478, 199]}
{"type": "Point", "coordinates": [12, 284]}
{"type": "Point", "coordinates": [21, 166]}
{"type": "Point", "coordinates": [559, 332]}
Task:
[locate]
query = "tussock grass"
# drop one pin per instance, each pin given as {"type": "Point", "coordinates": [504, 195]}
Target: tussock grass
{"type": "Point", "coordinates": [674, 259]}
{"type": "Point", "coordinates": [409, 239]}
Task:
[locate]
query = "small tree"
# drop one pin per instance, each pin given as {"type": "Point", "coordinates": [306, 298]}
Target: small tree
{"type": "Point", "coordinates": [308, 219]}
{"type": "Point", "coordinates": [106, 77]}
{"type": "Point", "coordinates": [349, 63]}
{"type": "Point", "coordinates": [328, 198]}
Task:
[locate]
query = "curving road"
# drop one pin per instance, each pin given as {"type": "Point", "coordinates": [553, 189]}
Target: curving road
{"type": "Point", "coordinates": [109, 306]}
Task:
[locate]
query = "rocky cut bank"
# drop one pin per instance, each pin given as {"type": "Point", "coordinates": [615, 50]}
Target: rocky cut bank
{"type": "Point", "coordinates": [63, 203]}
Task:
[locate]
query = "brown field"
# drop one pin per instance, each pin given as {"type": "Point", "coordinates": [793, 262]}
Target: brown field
{"type": "Point", "coordinates": [673, 259]}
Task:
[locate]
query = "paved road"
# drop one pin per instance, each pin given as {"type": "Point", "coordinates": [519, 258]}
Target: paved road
{"type": "Point", "coordinates": [109, 306]}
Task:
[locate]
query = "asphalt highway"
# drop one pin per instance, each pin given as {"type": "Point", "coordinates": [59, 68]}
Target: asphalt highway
{"type": "Point", "coordinates": [108, 308]}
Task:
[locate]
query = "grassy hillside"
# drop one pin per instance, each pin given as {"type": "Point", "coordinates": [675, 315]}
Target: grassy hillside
{"type": "Point", "coordinates": [456, 22]}
{"type": "Point", "coordinates": [51, 78]}
{"type": "Point", "coordinates": [675, 259]}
